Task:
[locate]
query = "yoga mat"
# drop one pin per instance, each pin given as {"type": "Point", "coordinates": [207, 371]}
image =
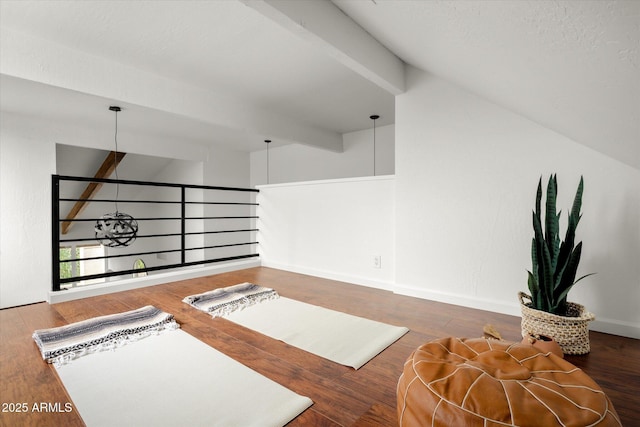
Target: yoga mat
{"type": "Point", "coordinates": [173, 379]}
{"type": "Point", "coordinates": [339, 337]}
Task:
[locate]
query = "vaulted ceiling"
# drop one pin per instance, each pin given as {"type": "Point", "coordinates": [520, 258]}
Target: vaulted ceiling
{"type": "Point", "coordinates": [233, 72]}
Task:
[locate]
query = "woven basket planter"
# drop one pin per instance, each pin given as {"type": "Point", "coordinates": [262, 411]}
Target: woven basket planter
{"type": "Point", "coordinates": [571, 331]}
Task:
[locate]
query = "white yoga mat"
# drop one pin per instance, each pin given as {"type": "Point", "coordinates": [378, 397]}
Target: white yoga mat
{"type": "Point", "coordinates": [173, 379]}
{"type": "Point", "coordinates": [340, 337]}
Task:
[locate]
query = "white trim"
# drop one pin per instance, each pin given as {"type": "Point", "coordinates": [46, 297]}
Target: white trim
{"type": "Point", "coordinates": [328, 181]}
{"type": "Point", "coordinates": [461, 300]}
{"type": "Point", "coordinates": [616, 327]}
{"type": "Point", "coordinates": [326, 274]}
{"type": "Point", "coordinates": [608, 326]}
{"type": "Point", "coordinates": [142, 282]}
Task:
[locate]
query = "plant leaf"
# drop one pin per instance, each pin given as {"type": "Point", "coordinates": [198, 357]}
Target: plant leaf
{"type": "Point", "coordinates": [538, 197]}
{"type": "Point", "coordinates": [546, 287]}
{"type": "Point", "coordinates": [534, 289]}
{"type": "Point", "coordinates": [569, 274]}
{"type": "Point", "coordinates": [551, 216]}
{"type": "Point", "coordinates": [552, 226]}
{"type": "Point", "coordinates": [541, 267]}
{"type": "Point", "coordinates": [577, 202]}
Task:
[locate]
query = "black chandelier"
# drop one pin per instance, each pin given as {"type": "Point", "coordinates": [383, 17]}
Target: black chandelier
{"type": "Point", "coordinates": [116, 229]}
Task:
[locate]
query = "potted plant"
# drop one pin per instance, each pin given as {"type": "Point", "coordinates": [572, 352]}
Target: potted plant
{"type": "Point", "coordinates": [554, 267]}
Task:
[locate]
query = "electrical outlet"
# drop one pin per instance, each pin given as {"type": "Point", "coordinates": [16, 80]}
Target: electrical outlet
{"type": "Point", "coordinates": [377, 261]}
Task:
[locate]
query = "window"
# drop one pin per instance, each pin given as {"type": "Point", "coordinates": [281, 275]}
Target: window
{"type": "Point", "coordinates": [139, 265]}
{"type": "Point", "coordinates": [81, 266]}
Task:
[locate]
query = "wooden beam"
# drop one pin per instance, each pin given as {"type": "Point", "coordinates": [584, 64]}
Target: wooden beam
{"type": "Point", "coordinates": [108, 166]}
{"type": "Point", "coordinates": [324, 25]}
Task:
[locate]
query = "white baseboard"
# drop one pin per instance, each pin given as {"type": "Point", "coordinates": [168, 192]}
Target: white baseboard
{"type": "Point", "coordinates": [616, 327]}
{"type": "Point", "coordinates": [141, 282]}
{"type": "Point", "coordinates": [326, 274]}
{"type": "Point", "coordinates": [608, 326]}
{"type": "Point", "coordinates": [462, 300]}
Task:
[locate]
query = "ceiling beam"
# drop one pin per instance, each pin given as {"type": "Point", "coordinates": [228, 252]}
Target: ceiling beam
{"type": "Point", "coordinates": [323, 24]}
{"type": "Point", "coordinates": [43, 61]}
{"type": "Point", "coordinates": [112, 160]}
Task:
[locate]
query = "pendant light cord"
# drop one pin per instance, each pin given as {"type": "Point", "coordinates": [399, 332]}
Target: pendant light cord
{"type": "Point", "coordinates": [267, 141]}
{"type": "Point", "coordinates": [374, 118]}
{"type": "Point", "coordinates": [115, 159]}
{"type": "Point", "coordinates": [374, 148]}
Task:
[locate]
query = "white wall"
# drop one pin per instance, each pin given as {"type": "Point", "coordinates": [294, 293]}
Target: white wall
{"type": "Point", "coordinates": [330, 229]}
{"type": "Point", "coordinates": [27, 161]}
{"type": "Point", "coordinates": [296, 163]}
{"type": "Point", "coordinates": [226, 168]}
{"type": "Point", "coordinates": [466, 176]}
{"type": "Point", "coordinates": [26, 165]}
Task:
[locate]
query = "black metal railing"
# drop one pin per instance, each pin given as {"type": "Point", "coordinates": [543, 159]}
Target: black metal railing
{"type": "Point", "coordinates": [232, 216]}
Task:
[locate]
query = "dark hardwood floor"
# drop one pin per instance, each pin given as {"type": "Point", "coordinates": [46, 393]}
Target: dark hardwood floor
{"type": "Point", "coordinates": [342, 396]}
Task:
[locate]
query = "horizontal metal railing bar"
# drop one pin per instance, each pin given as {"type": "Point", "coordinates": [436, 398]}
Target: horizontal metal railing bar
{"type": "Point", "coordinates": [157, 268]}
{"type": "Point", "coordinates": [164, 218]}
{"type": "Point", "coordinates": [156, 252]}
{"type": "Point", "coordinates": [153, 184]}
{"type": "Point", "coordinates": [194, 233]}
{"type": "Point", "coordinates": [196, 199]}
{"type": "Point", "coordinates": [159, 202]}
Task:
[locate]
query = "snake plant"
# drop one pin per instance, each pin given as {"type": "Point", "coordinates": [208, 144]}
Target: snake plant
{"type": "Point", "coordinates": [555, 262]}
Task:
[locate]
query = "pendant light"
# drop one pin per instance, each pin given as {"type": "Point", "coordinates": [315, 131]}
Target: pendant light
{"type": "Point", "coordinates": [374, 118]}
{"type": "Point", "coordinates": [116, 229]}
{"type": "Point", "coordinates": [267, 141]}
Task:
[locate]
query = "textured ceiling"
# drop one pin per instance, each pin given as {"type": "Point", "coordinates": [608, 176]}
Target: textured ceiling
{"type": "Point", "coordinates": [572, 66]}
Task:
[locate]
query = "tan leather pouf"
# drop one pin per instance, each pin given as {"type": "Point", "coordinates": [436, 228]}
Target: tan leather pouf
{"type": "Point", "coordinates": [480, 382]}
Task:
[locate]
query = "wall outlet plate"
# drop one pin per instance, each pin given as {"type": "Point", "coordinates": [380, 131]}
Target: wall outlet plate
{"type": "Point", "coordinates": [377, 261]}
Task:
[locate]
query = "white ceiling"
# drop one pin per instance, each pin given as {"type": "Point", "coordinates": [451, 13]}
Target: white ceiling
{"type": "Point", "coordinates": [233, 74]}
{"type": "Point", "coordinates": [224, 49]}
{"type": "Point", "coordinates": [572, 66]}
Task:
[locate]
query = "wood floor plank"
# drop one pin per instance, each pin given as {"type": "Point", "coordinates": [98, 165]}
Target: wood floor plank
{"type": "Point", "coordinates": [312, 418]}
{"type": "Point", "coordinates": [342, 396]}
{"type": "Point", "coordinates": [26, 380]}
{"type": "Point", "coordinates": [377, 415]}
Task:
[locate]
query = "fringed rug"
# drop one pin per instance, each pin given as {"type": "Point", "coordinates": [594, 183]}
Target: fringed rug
{"type": "Point", "coordinates": [169, 379]}
{"type": "Point", "coordinates": [224, 301]}
{"type": "Point", "coordinates": [340, 337]}
{"type": "Point", "coordinates": [62, 344]}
